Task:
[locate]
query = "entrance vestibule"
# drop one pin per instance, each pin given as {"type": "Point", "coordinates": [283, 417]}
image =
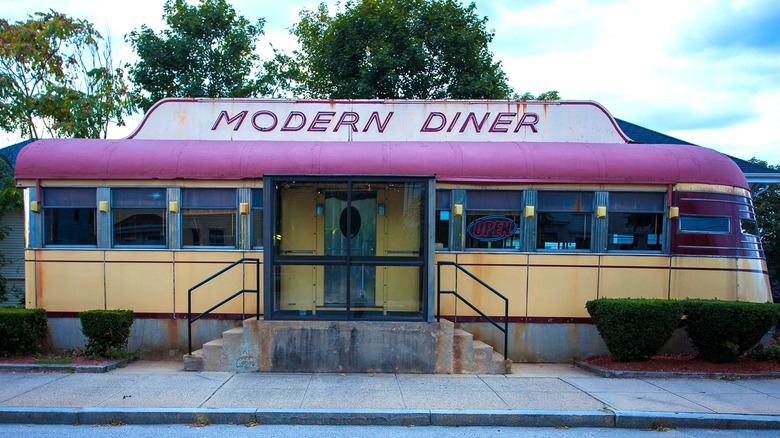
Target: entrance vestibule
{"type": "Point", "coordinates": [348, 248]}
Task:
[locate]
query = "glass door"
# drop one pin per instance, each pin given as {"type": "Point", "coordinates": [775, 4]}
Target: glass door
{"type": "Point", "coordinates": [347, 248]}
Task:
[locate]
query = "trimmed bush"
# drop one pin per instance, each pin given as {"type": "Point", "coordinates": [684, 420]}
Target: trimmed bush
{"type": "Point", "coordinates": [635, 329]}
{"type": "Point", "coordinates": [724, 330]}
{"type": "Point", "coordinates": [22, 331]}
{"type": "Point", "coordinates": [107, 331]}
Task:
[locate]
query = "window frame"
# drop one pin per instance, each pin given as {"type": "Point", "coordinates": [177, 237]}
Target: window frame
{"type": "Point", "coordinates": [46, 207]}
{"type": "Point", "coordinates": [183, 214]}
{"type": "Point", "coordinates": [163, 208]}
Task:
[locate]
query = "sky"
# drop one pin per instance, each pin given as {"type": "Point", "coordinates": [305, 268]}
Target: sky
{"type": "Point", "coordinates": [704, 71]}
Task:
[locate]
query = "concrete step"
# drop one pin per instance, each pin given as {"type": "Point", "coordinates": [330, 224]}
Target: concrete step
{"type": "Point", "coordinates": [214, 357]}
{"type": "Point", "coordinates": [483, 358]}
{"type": "Point", "coordinates": [462, 351]}
{"type": "Point", "coordinates": [194, 361]}
{"type": "Point", "coordinates": [232, 340]}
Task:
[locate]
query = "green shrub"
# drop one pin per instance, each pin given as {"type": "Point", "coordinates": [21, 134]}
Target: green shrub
{"type": "Point", "coordinates": [723, 330]}
{"type": "Point", "coordinates": [107, 331]}
{"type": "Point", "coordinates": [22, 331]}
{"type": "Point", "coordinates": [634, 329]}
{"type": "Point", "coordinates": [761, 352]}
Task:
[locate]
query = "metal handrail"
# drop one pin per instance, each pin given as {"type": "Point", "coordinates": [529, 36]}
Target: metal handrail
{"type": "Point", "coordinates": [504, 329]}
{"type": "Point", "coordinates": [256, 290]}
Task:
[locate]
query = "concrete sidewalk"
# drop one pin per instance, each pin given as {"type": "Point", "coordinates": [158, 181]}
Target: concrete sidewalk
{"type": "Point", "coordinates": [547, 395]}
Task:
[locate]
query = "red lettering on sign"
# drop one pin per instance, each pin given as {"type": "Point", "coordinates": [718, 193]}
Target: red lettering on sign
{"type": "Point", "coordinates": [294, 114]}
{"type": "Point", "coordinates": [530, 120]}
{"type": "Point", "coordinates": [473, 118]}
{"type": "Point", "coordinates": [375, 118]}
{"type": "Point", "coordinates": [500, 120]}
{"type": "Point", "coordinates": [229, 120]}
{"type": "Point", "coordinates": [352, 121]}
{"type": "Point", "coordinates": [426, 127]}
{"type": "Point", "coordinates": [322, 118]}
{"type": "Point", "coordinates": [266, 128]}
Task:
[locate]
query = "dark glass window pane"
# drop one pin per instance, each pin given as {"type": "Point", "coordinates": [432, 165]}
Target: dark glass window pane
{"type": "Point", "coordinates": [138, 198]}
{"type": "Point", "coordinates": [635, 231]}
{"type": "Point", "coordinates": [749, 226]}
{"type": "Point", "coordinates": [202, 227]}
{"type": "Point", "coordinates": [68, 197]}
{"type": "Point", "coordinates": [257, 228]}
{"type": "Point", "coordinates": [494, 200]}
{"type": "Point", "coordinates": [139, 226]}
{"type": "Point", "coordinates": [564, 231]}
{"type": "Point", "coordinates": [705, 224]}
{"type": "Point", "coordinates": [634, 201]}
{"type": "Point", "coordinates": [443, 199]}
{"type": "Point", "coordinates": [69, 226]}
{"type": "Point", "coordinates": [257, 198]}
{"type": "Point", "coordinates": [565, 201]}
{"type": "Point", "coordinates": [209, 198]}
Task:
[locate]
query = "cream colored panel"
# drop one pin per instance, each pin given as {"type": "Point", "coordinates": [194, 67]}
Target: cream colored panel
{"type": "Point", "coordinates": [753, 284]}
{"type": "Point", "coordinates": [704, 277]}
{"type": "Point", "coordinates": [504, 272]}
{"type": "Point", "coordinates": [70, 286]}
{"type": "Point", "coordinates": [192, 267]}
{"type": "Point", "coordinates": [624, 276]}
{"type": "Point", "coordinates": [560, 285]}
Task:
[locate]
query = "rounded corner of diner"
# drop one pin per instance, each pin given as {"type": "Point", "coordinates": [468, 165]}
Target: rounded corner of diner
{"type": "Point", "coordinates": [221, 209]}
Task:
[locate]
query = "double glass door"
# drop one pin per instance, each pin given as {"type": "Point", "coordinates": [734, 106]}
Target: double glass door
{"type": "Point", "coordinates": [347, 249]}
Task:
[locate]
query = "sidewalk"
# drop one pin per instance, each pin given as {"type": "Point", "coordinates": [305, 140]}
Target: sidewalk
{"type": "Point", "coordinates": [545, 395]}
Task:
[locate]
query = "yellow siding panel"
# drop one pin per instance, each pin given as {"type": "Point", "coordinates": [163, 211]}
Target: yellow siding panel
{"type": "Point", "coordinates": [559, 285]}
{"type": "Point", "coordinates": [626, 276]}
{"type": "Point", "coordinates": [70, 286]}
{"type": "Point", "coordinates": [703, 277]}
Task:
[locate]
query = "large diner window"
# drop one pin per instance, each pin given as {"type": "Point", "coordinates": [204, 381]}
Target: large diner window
{"type": "Point", "coordinates": [139, 217]}
{"type": "Point", "coordinates": [69, 216]}
{"type": "Point", "coordinates": [493, 218]}
{"type": "Point", "coordinates": [635, 221]}
{"type": "Point", "coordinates": [209, 217]}
{"type": "Point", "coordinates": [564, 220]}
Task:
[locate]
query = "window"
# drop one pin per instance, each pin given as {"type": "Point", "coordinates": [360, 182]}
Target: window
{"type": "Point", "coordinates": [443, 207]}
{"type": "Point", "coordinates": [749, 226]}
{"type": "Point", "coordinates": [256, 227]}
{"type": "Point", "coordinates": [564, 220]}
{"type": "Point", "coordinates": [493, 219]}
{"type": "Point", "coordinates": [705, 224]}
{"type": "Point", "coordinates": [209, 217]}
{"type": "Point", "coordinates": [635, 221]}
{"type": "Point", "coordinates": [138, 217]}
{"type": "Point", "coordinates": [69, 216]}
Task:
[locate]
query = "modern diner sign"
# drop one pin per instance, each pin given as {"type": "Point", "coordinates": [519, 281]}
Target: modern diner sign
{"type": "Point", "coordinates": [379, 120]}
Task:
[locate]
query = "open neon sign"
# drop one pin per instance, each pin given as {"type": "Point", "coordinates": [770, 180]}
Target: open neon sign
{"type": "Point", "coordinates": [491, 228]}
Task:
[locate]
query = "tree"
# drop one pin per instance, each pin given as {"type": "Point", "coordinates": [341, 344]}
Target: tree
{"type": "Point", "coordinates": [57, 79]}
{"type": "Point", "coordinates": [207, 51]}
{"type": "Point", "coordinates": [400, 49]}
{"type": "Point", "coordinates": [767, 207]}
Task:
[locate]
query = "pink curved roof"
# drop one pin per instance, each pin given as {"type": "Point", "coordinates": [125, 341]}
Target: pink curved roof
{"type": "Point", "coordinates": [64, 159]}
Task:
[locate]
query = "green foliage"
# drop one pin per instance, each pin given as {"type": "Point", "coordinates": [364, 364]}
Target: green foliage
{"type": "Point", "coordinates": [723, 330]}
{"type": "Point", "coordinates": [207, 51]}
{"type": "Point", "coordinates": [765, 352]}
{"type": "Point", "coordinates": [107, 331]}
{"type": "Point", "coordinates": [56, 76]}
{"type": "Point", "coordinates": [767, 207]}
{"type": "Point", "coordinates": [634, 329]}
{"type": "Point", "coordinates": [22, 331]}
{"type": "Point", "coordinates": [547, 95]}
{"type": "Point", "coordinates": [400, 49]}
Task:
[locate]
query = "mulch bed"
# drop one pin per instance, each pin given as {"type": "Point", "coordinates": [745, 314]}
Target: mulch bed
{"type": "Point", "coordinates": [75, 359]}
{"type": "Point", "coordinates": [688, 363]}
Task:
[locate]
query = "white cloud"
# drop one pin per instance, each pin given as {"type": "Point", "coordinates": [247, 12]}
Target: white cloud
{"type": "Point", "coordinates": [705, 71]}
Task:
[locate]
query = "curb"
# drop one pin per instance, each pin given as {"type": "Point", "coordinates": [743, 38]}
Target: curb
{"type": "Point", "coordinates": [604, 372]}
{"type": "Point", "coordinates": [63, 368]}
{"type": "Point", "coordinates": [361, 417]}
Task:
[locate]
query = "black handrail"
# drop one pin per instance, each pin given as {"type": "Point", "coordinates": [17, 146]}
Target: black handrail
{"type": "Point", "coordinates": [243, 290]}
{"type": "Point", "coordinates": [504, 329]}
